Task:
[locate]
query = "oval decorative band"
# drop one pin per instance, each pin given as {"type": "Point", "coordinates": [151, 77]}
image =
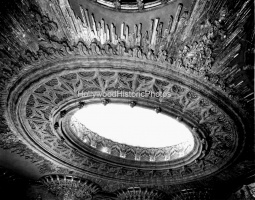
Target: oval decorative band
{"type": "Point", "coordinates": [45, 110]}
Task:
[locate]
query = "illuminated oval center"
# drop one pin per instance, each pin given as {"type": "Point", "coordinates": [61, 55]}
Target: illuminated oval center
{"type": "Point", "coordinates": [133, 126]}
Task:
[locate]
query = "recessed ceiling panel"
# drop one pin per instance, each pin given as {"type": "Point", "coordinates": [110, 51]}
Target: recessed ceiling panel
{"type": "Point", "coordinates": [133, 126]}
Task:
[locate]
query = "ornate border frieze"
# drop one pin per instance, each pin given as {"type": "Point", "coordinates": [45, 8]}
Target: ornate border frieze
{"type": "Point", "coordinates": [194, 193]}
{"type": "Point", "coordinates": [140, 193]}
{"type": "Point", "coordinates": [42, 112]}
{"type": "Point", "coordinates": [206, 54]}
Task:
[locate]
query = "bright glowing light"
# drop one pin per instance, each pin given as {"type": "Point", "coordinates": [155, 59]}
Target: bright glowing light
{"type": "Point", "coordinates": [133, 126]}
{"type": "Point", "coordinates": [105, 150]}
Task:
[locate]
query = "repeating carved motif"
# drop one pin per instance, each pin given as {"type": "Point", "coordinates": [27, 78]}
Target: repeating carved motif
{"type": "Point", "coordinates": [49, 31]}
{"type": "Point", "coordinates": [173, 46]}
{"type": "Point", "coordinates": [66, 87]}
{"type": "Point", "coordinates": [193, 193]}
{"type": "Point", "coordinates": [69, 187]}
{"type": "Point", "coordinates": [131, 6]}
{"type": "Point", "coordinates": [127, 151]}
{"type": "Point", "coordinates": [140, 193]}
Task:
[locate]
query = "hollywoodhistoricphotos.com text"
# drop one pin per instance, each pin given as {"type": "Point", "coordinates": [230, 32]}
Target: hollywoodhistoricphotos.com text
{"type": "Point", "coordinates": [145, 94]}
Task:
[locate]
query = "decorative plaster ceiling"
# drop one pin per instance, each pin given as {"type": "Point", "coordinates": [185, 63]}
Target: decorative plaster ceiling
{"type": "Point", "coordinates": [42, 117]}
{"type": "Point", "coordinates": [132, 5]}
{"type": "Point", "coordinates": [51, 51]}
{"type": "Point", "coordinates": [69, 187]}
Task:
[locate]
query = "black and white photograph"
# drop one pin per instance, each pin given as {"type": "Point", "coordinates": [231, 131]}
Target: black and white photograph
{"type": "Point", "coordinates": [127, 100]}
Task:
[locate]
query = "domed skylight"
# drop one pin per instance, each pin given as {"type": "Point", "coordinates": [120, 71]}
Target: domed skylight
{"type": "Point", "coordinates": [133, 126]}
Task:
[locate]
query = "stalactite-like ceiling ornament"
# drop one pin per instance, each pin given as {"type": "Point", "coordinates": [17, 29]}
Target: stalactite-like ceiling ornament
{"type": "Point", "coordinates": [69, 187]}
{"type": "Point", "coordinates": [52, 50]}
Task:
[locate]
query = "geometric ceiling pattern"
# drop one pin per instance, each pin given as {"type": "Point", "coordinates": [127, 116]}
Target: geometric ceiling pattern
{"type": "Point", "coordinates": [198, 52]}
{"type": "Point", "coordinates": [46, 119]}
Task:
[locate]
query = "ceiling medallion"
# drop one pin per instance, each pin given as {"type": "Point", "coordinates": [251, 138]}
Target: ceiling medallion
{"type": "Point", "coordinates": [42, 108]}
{"type": "Point", "coordinates": [69, 187]}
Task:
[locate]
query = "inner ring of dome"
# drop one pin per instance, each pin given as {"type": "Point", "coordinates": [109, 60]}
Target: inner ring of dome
{"type": "Point", "coordinates": [135, 126]}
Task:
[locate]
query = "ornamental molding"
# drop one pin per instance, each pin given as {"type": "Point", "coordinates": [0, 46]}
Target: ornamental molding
{"type": "Point", "coordinates": [206, 56]}
{"type": "Point", "coordinates": [41, 106]}
{"type": "Point", "coordinates": [69, 187]}
{"type": "Point", "coordinates": [194, 193]}
{"type": "Point", "coordinates": [140, 193]}
{"type": "Point", "coordinates": [135, 6]}
{"type": "Point", "coordinates": [193, 57]}
{"type": "Point", "coordinates": [127, 151]}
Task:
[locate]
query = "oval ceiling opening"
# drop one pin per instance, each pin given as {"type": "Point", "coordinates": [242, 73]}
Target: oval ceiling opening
{"type": "Point", "coordinates": [133, 126]}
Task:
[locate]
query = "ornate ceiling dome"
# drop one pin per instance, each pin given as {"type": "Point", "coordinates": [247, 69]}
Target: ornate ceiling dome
{"type": "Point", "coordinates": [132, 5]}
{"type": "Point", "coordinates": [190, 59]}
